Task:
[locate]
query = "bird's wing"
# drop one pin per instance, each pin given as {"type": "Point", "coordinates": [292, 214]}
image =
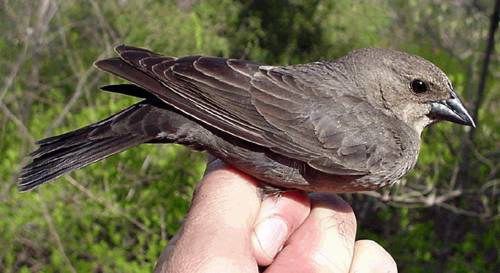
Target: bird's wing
{"type": "Point", "coordinates": [285, 109]}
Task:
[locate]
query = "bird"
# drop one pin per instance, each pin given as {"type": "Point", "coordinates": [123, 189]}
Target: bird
{"type": "Point", "coordinates": [344, 125]}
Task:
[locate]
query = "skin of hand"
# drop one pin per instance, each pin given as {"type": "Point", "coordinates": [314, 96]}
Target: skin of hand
{"type": "Point", "coordinates": [232, 227]}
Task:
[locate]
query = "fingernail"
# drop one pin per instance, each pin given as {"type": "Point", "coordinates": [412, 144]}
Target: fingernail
{"type": "Point", "coordinates": [271, 234]}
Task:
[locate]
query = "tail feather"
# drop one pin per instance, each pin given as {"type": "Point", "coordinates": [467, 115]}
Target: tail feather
{"type": "Point", "coordinates": [57, 143]}
{"type": "Point", "coordinates": [60, 154]}
{"type": "Point", "coordinates": [52, 165]}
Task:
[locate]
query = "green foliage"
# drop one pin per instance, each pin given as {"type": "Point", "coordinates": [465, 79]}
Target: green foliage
{"type": "Point", "coordinates": [307, 30]}
{"type": "Point", "coordinates": [118, 215]}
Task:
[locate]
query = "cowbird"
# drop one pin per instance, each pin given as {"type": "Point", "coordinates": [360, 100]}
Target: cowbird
{"type": "Point", "coordinates": [345, 125]}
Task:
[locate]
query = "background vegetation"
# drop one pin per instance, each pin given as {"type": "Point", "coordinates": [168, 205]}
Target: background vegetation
{"type": "Point", "coordinates": [117, 215]}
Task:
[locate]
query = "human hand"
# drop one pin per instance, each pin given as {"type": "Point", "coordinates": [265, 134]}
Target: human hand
{"type": "Point", "coordinates": [231, 227]}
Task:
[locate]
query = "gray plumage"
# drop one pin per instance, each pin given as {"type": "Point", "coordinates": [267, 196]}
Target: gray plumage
{"type": "Point", "coordinates": [347, 125]}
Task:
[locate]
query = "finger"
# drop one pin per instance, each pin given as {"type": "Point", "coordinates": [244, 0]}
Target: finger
{"type": "Point", "coordinates": [364, 261]}
{"type": "Point", "coordinates": [324, 242]}
{"type": "Point", "coordinates": [279, 216]}
{"type": "Point", "coordinates": [215, 236]}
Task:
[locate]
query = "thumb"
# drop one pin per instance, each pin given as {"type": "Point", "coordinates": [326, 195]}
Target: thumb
{"type": "Point", "coordinates": [215, 235]}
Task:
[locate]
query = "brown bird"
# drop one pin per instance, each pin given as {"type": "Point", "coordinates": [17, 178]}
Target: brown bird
{"type": "Point", "coordinates": [340, 126]}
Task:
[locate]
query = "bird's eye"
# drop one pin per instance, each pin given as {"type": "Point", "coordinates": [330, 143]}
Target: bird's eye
{"type": "Point", "coordinates": [419, 86]}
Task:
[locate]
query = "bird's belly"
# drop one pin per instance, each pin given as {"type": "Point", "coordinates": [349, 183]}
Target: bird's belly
{"type": "Point", "coordinates": [279, 171]}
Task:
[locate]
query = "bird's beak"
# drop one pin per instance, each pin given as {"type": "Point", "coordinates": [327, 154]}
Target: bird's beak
{"type": "Point", "coordinates": [452, 110]}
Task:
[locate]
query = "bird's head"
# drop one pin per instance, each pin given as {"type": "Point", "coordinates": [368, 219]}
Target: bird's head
{"type": "Point", "coordinates": [410, 87]}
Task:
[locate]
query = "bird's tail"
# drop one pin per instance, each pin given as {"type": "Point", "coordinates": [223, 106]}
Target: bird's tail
{"type": "Point", "coordinates": [60, 154]}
